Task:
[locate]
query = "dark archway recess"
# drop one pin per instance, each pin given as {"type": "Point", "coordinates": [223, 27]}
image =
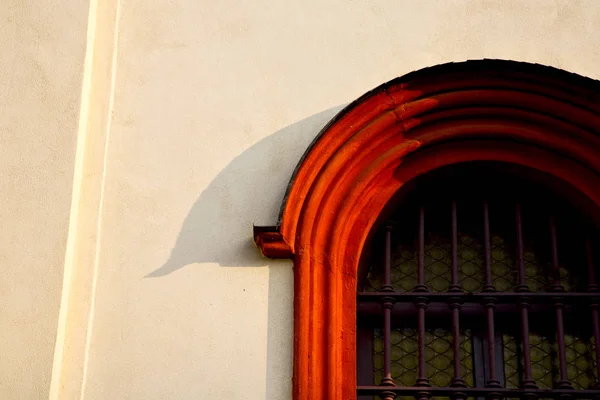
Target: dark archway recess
{"type": "Point", "coordinates": [527, 115]}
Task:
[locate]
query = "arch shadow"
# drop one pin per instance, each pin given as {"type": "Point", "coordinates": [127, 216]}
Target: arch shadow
{"type": "Point", "coordinates": [218, 227]}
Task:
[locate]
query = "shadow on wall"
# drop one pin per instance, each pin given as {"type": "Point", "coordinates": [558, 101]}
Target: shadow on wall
{"type": "Point", "coordinates": [248, 191]}
{"type": "Point", "coordinates": [218, 229]}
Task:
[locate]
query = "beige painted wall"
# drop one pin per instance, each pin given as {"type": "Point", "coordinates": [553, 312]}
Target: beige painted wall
{"type": "Point", "coordinates": [214, 104]}
{"type": "Point", "coordinates": [195, 116]}
{"type": "Point", "coordinates": [42, 48]}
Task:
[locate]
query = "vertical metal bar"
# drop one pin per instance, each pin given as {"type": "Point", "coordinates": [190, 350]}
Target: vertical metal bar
{"type": "Point", "coordinates": [422, 378]}
{"type": "Point", "coordinates": [457, 379]}
{"type": "Point", "coordinates": [556, 285]}
{"type": "Point", "coordinates": [489, 302]}
{"type": "Point", "coordinates": [388, 304]}
{"type": "Point", "coordinates": [596, 327]}
{"type": "Point", "coordinates": [421, 304]}
{"type": "Point", "coordinates": [479, 358]}
{"type": "Point", "coordinates": [522, 278]}
{"type": "Point", "coordinates": [528, 382]}
{"type": "Point", "coordinates": [593, 287]}
{"type": "Point", "coordinates": [454, 286]}
{"type": "Point", "coordinates": [490, 305]}
{"type": "Point", "coordinates": [387, 309]}
{"type": "Point", "coordinates": [422, 381]}
{"type": "Point", "coordinates": [387, 259]}
{"type": "Point", "coordinates": [421, 253]}
{"type": "Point", "coordinates": [499, 346]}
{"type": "Point", "coordinates": [489, 286]}
{"type": "Point", "coordinates": [455, 305]}
{"type": "Point", "coordinates": [387, 371]}
{"type": "Point", "coordinates": [563, 383]}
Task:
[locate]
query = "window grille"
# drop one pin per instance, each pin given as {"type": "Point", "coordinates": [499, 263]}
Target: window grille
{"type": "Point", "coordinates": [482, 284]}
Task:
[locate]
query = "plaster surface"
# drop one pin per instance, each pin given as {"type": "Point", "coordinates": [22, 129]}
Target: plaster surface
{"type": "Point", "coordinates": [41, 61]}
{"type": "Point", "coordinates": [214, 105]}
{"type": "Point", "coordinates": [197, 115]}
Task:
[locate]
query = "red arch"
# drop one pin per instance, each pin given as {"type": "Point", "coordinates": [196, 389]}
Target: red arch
{"type": "Point", "coordinates": [525, 114]}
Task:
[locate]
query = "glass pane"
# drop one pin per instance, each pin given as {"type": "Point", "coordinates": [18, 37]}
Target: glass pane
{"type": "Point", "coordinates": [404, 267]}
{"type": "Point", "coordinates": [471, 269]}
{"type": "Point", "coordinates": [438, 356]}
{"type": "Point", "coordinates": [581, 367]}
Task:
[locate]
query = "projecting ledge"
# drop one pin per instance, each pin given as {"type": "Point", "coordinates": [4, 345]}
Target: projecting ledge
{"type": "Point", "coordinates": [270, 242]}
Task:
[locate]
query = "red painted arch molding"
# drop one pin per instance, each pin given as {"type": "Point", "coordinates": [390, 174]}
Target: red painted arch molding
{"type": "Point", "coordinates": [489, 110]}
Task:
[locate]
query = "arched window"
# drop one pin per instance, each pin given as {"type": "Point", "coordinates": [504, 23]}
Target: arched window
{"type": "Point", "coordinates": [383, 157]}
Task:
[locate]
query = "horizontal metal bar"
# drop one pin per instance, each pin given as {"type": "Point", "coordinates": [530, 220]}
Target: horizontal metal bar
{"type": "Point", "coordinates": [479, 391]}
{"type": "Point", "coordinates": [404, 314]}
{"type": "Point", "coordinates": [500, 297]}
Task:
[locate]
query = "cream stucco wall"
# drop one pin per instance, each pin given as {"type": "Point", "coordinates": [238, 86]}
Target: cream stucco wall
{"type": "Point", "coordinates": [194, 115]}
{"type": "Point", "coordinates": [42, 48]}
